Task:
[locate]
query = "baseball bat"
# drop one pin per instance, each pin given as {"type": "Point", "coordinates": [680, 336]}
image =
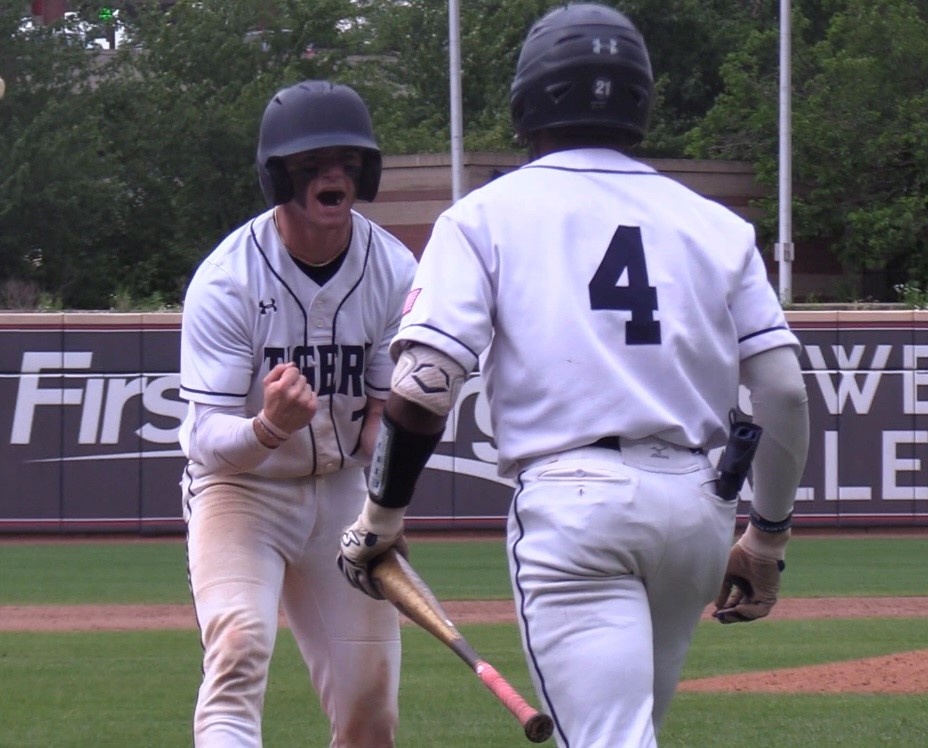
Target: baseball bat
{"type": "Point", "coordinates": [401, 585]}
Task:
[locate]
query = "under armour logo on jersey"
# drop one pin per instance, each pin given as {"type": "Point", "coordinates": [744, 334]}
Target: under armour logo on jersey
{"type": "Point", "coordinates": [657, 452]}
{"type": "Point", "coordinates": [607, 46]}
{"type": "Point", "coordinates": [271, 306]}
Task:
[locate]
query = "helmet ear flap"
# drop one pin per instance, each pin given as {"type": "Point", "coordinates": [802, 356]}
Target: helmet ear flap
{"type": "Point", "coordinates": [369, 182]}
{"type": "Point", "coordinates": [279, 189]}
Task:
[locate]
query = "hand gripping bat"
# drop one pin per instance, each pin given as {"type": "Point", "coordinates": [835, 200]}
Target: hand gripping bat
{"type": "Point", "coordinates": [401, 585]}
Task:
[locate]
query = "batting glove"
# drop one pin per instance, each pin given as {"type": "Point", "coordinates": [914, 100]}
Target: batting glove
{"type": "Point", "coordinates": [375, 530]}
{"type": "Point", "coordinates": [752, 579]}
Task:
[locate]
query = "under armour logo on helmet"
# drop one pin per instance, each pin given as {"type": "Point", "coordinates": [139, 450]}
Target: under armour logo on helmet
{"type": "Point", "coordinates": [610, 46]}
{"type": "Point", "coordinates": [271, 306]}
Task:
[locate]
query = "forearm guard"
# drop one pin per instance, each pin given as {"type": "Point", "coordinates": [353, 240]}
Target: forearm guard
{"type": "Point", "coordinates": [399, 458]}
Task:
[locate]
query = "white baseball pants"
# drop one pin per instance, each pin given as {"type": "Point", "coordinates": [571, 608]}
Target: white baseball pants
{"type": "Point", "coordinates": [613, 557]}
{"type": "Point", "coordinates": [255, 545]}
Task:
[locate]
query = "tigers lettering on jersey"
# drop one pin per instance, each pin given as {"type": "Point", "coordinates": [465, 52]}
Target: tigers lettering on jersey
{"type": "Point", "coordinates": [330, 369]}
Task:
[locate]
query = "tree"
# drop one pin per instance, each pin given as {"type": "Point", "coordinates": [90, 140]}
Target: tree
{"type": "Point", "coordinates": [860, 133]}
{"type": "Point", "coordinates": [407, 71]}
{"type": "Point", "coordinates": [688, 39]}
{"type": "Point", "coordinates": [122, 174]}
{"type": "Point", "coordinates": [58, 196]}
{"type": "Point", "coordinates": [194, 91]}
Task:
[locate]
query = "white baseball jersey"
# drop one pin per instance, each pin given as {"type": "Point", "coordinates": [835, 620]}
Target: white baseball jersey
{"type": "Point", "coordinates": [249, 307]}
{"type": "Point", "coordinates": [614, 301]}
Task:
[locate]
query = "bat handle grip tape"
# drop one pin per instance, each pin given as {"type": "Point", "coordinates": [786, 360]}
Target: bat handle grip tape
{"type": "Point", "coordinates": [505, 692]}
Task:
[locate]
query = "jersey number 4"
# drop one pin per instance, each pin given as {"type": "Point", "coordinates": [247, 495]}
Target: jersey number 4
{"type": "Point", "coordinates": [626, 254]}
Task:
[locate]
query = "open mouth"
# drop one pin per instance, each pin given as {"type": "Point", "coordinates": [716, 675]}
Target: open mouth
{"type": "Point", "coordinates": [331, 198]}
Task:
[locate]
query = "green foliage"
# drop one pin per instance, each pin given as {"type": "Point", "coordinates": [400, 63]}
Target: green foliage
{"type": "Point", "coordinates": [122, 174]}
{"type": "Point", "coordinates": [122, 170]}
{"type": "Point", "coordinates": [859, 132]}
{"type": "Point", "coordinates": [912, 296]}
{"type": "Point", "coordinates": [408, 75]}
{"type": "Point", "coordinates": [688, 41]}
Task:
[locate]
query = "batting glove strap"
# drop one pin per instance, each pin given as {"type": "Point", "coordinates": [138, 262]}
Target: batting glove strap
{"type": "Point", "coordinates": [765, 545]}
{"type": "Point", "coordinates": [382, 520]}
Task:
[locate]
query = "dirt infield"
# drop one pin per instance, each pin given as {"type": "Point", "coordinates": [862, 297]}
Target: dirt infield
{"type": "Point", "coordinates": [900, 673]}
{"type": "Point", "coordinates": [151, 617]}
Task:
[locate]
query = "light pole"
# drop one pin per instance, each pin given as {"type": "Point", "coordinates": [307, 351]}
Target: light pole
{"type": "Point", "coordinates": [454, 60]}
{"type": "Point", "coordinates": [785, 252]}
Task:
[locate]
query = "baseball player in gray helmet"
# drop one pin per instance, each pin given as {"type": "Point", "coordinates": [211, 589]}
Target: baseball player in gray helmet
{"type": "Point", "coordinates": [285, 364]}
{"type": "Point", "coordinates": [615, 314]}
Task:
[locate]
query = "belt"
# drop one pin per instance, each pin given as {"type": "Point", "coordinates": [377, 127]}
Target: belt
{"type": "Point", "coordinates": [608, 442]}
{"type": "Point", "coordinates": [615, 444]}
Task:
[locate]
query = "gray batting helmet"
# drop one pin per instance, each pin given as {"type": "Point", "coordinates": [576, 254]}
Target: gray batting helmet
{"type": "Point", "coordinates": [582, 64]}
{"type": "Point", "coordinates": [310, 115]}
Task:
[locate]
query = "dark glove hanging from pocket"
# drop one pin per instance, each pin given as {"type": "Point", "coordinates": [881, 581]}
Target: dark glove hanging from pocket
{"type": "Point", "coordinates": [735, 461]}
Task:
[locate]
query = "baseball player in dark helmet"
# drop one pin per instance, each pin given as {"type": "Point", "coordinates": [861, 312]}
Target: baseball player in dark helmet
{"type": "Point", "coordinates": [616, 314]}
{"type": "Point", "coordinates": [285, 364]}
{"type": "Point", "coordinates": [583, 65]}
{"type": "Point", "coordinates": [309, 116]}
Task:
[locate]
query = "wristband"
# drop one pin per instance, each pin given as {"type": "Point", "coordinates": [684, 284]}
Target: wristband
{"type": "Point", "coordinates": [765, 525]}
{"type": "Point", "coordinates": [271, 435]}
{"type": "Point", "coordinates": [275, 431]}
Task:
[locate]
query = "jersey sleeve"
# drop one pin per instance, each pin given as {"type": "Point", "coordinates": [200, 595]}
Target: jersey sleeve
{"type": "Point", "coordinates": [380, 367]}
{"type": "Point", "coordinates": [450, 306]}
{"type": "Point", "coordinates": [216, 358]}
{"type": "Point", "coordinates": [756, 310]}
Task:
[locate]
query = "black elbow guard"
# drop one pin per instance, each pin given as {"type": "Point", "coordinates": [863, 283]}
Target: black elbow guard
{"type": "Point", "coordinates": [399, 458]}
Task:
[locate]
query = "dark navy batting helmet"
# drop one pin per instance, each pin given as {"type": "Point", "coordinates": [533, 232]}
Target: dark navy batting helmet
{"type": "Point", "coordinates": [583, 64]}
{"type": "Point", "coordinates": [310, 115]}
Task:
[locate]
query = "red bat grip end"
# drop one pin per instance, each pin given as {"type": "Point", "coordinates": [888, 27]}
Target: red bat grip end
{"type": "Point", "coordinates": [538, 727]}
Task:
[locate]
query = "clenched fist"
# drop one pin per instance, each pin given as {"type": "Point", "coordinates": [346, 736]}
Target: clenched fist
{"type": "Point", "coordinates": [289, 401]}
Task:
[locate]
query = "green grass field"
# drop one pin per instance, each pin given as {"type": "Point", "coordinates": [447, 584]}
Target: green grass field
{"type": "Point", "coordinates": [137, 688]}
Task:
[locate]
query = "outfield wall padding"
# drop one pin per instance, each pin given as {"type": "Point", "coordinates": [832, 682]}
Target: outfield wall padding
{"type": "Point", "coordinates": [89, 414]}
